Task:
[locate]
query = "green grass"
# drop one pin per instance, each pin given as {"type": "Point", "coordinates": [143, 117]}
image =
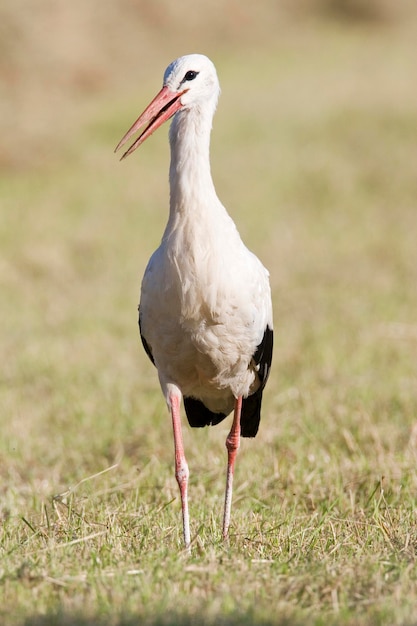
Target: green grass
{"type": "Point", "coordinates": [316, 162]}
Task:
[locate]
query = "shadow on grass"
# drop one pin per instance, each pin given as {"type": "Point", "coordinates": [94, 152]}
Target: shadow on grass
{"type": "Point", "coordinates": [173, 619]}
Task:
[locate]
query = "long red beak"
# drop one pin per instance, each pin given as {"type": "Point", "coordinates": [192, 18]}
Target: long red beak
{"type": "Point", "coordinates": [162, 107]}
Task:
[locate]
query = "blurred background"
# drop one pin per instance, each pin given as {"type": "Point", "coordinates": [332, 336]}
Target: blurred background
{"type": "Point", "coordinates": [57, 57]}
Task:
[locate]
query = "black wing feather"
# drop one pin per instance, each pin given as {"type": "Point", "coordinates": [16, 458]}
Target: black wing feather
{"type": "Point", "coordinates": [145, 343]}
{"type": "Point", "coordinates": [251, 406]}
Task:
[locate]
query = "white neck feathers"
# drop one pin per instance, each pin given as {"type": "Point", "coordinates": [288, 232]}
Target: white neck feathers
{"type": "Point", "coordinates": [190, 178]}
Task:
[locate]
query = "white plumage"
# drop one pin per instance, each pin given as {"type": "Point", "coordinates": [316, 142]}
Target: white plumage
{"type": "Point", "coordinates": [205, 310]}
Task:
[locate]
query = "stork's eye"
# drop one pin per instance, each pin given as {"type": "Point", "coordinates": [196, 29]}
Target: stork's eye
{"type": "Point", "coordinates": [190, 75]}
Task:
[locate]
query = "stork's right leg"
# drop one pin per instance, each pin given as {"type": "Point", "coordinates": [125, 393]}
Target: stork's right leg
{"type": "Point", "coordinates": [181, 466]}
{"type": "Point", "coordinates": [232, 445]}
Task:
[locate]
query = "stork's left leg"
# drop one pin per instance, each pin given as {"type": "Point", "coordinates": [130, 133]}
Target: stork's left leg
{"type": "Point", "coordinates": [232, 445]}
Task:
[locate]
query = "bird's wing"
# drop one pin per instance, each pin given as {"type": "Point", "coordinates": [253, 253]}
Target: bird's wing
{"type": "Point", "coordinates": [251, 406]}
{"type": "Point", "coordinates": [263, 356]}
{"type": "Point", "coordinates": [144, 342]}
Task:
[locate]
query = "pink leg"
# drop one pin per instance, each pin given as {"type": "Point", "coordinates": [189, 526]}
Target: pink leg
{"type": "Point", "coordinates": [181, 466]}
{"type": "Point", "coordinates": [232, 445]}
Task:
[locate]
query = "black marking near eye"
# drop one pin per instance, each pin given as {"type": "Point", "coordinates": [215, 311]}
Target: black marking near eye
{"type": "Point", "coordinates": [190, 75]}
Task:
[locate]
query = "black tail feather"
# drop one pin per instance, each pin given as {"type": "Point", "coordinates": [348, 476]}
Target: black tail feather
{"type": "Point", "coordinates": [199, 415]}
{"type": "Point", "coordinates": [251, 414]}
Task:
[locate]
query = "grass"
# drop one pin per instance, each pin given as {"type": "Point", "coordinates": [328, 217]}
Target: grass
{"type": "Point", "coordinates": [316, 161]}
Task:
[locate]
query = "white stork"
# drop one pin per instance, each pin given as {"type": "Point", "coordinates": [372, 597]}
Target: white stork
{"type": "Point", "coordinates": [205, 313]}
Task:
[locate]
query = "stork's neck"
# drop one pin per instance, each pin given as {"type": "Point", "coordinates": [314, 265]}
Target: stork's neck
{"type": "Point", "coordinates": [191, 184]}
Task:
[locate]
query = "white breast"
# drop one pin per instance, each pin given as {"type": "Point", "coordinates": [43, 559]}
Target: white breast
{"type": "Point", "coordinates": [205, 304]}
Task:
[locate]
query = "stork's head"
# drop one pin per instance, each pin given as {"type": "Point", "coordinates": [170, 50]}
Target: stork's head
{"type": "Point", "coordinates": [189, 81]}
{"type": "Point", "coordinates": [194, 77]}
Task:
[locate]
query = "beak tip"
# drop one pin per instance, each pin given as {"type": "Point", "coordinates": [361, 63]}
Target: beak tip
{"type": "Point", "coordinates": [124, 155]}
{"type": "Point", "coordinates": [162, 107]}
